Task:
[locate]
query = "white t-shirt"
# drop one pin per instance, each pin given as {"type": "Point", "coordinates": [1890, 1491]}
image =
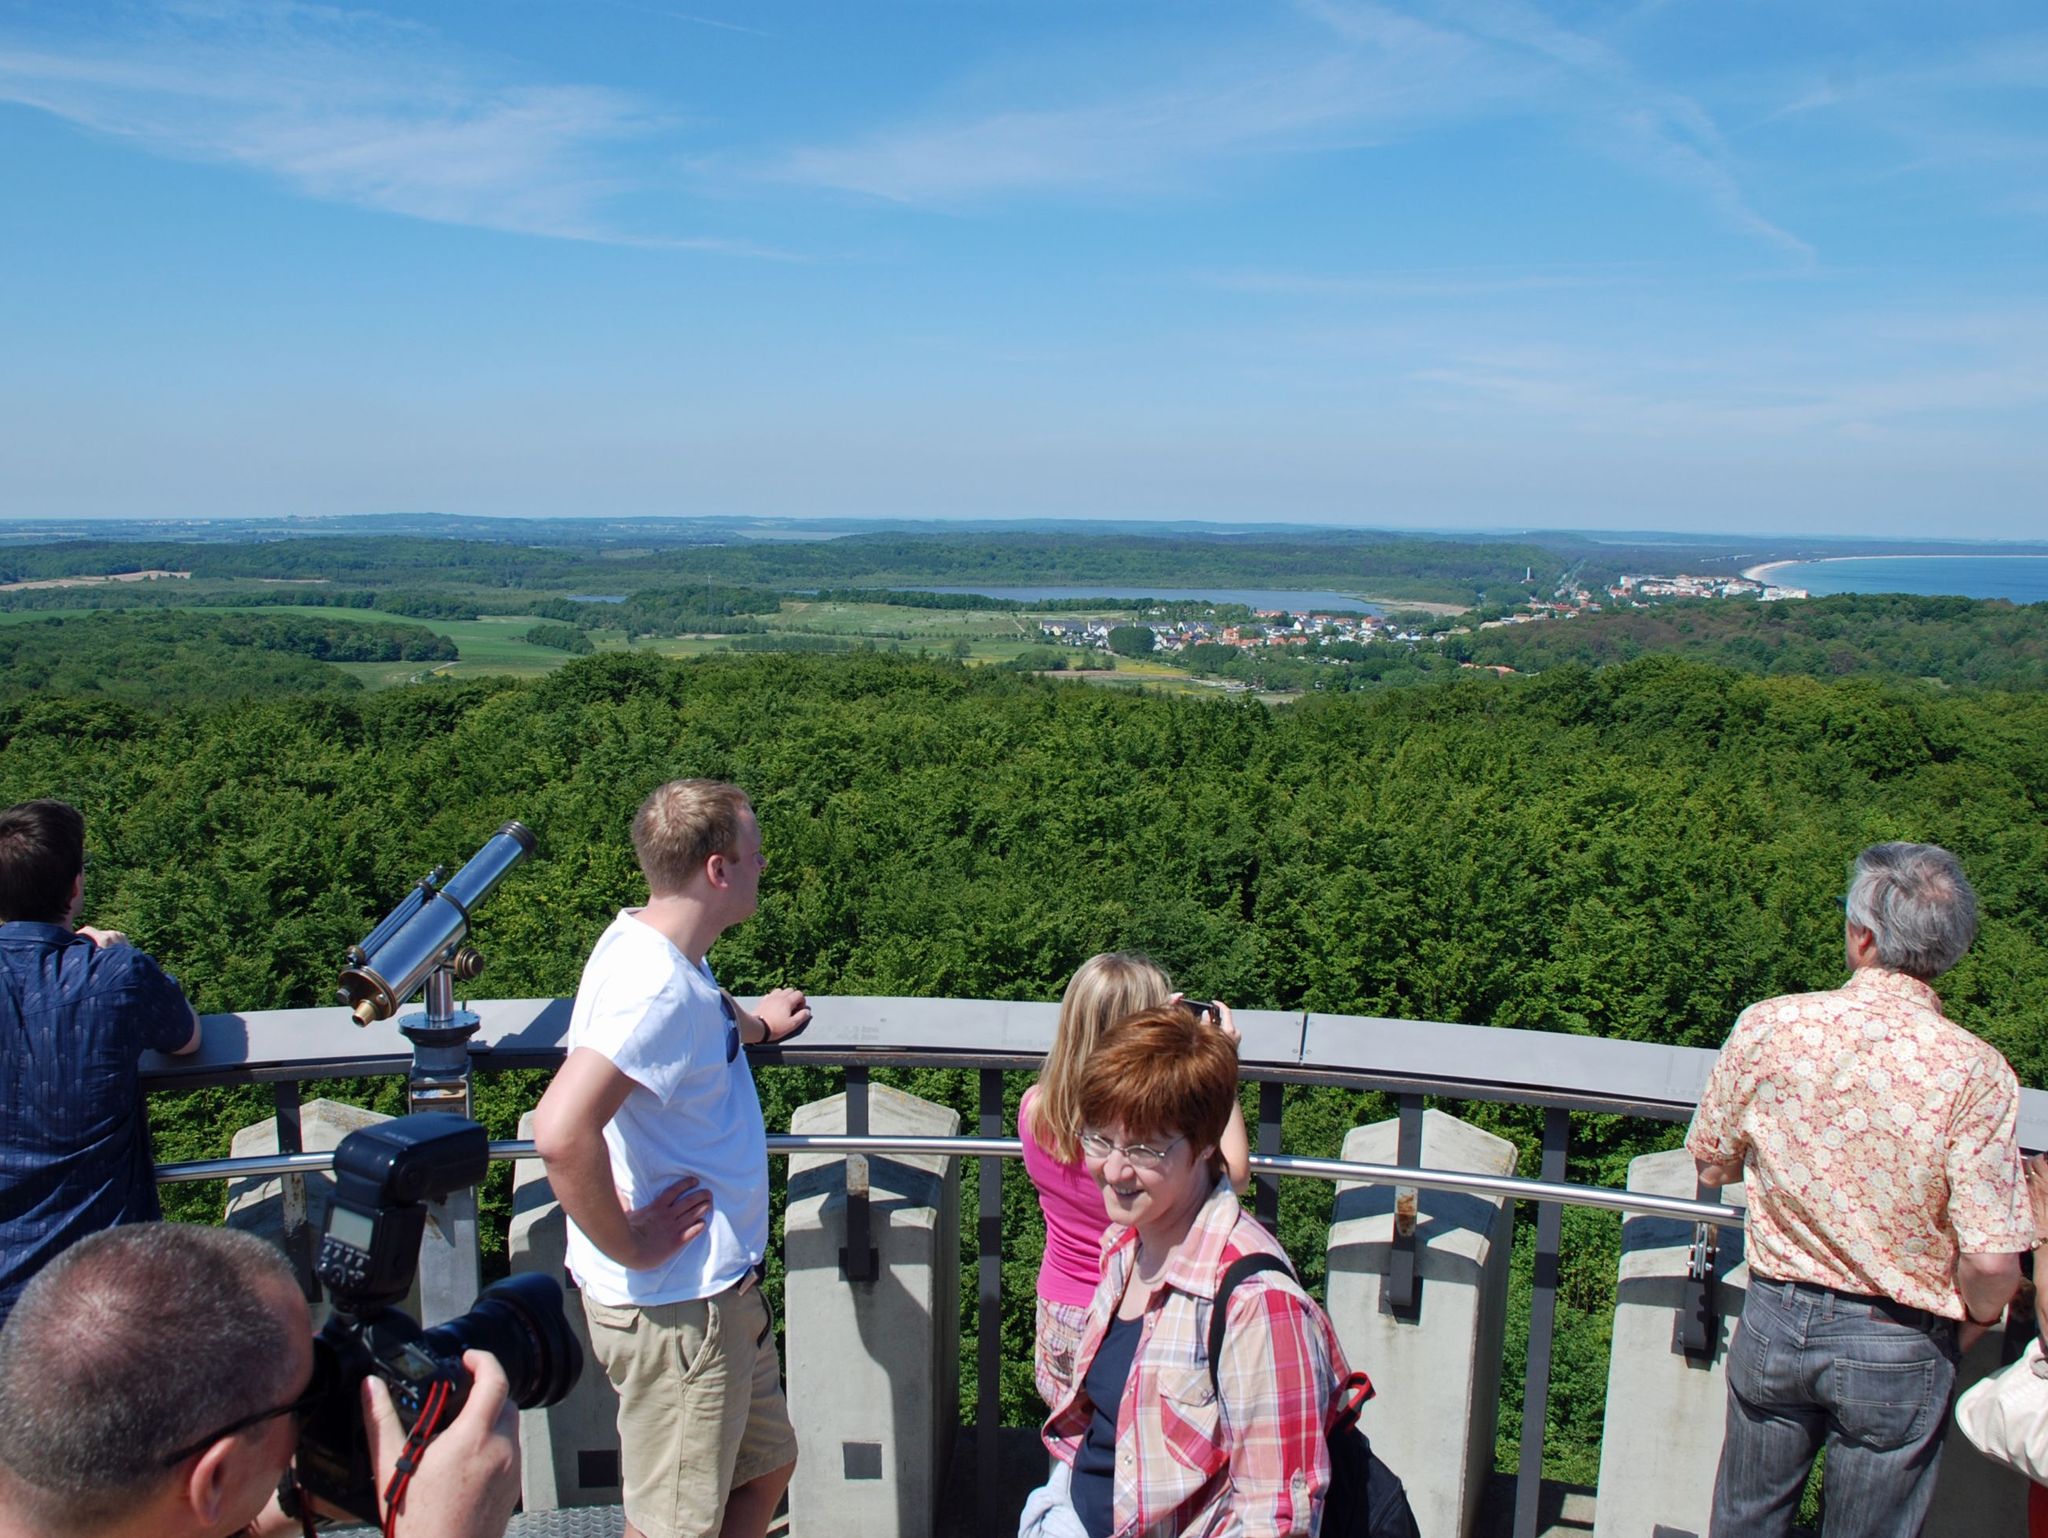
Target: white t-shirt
{"type": "Point", "coordinates": [660, 1020]}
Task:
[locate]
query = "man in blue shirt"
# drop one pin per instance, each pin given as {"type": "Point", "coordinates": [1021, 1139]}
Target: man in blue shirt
{"type": "Point", "coordinates": [77, 1008]}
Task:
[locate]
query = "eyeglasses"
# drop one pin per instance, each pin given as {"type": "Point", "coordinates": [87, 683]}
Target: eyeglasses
{"type": "Point", "coordinates": [1139, 1156]}
{"type": "Point", "coordinates": [298, 1410]}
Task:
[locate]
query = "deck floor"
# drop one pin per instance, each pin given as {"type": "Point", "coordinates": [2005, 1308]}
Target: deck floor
{"type": "Point", "coordinates": [1566, 1510]}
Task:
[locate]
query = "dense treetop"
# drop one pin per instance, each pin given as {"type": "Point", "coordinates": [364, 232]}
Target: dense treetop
{"type": "Point", "coordinates": [159, 660]}
{"type": "Point", "coordinates": [1954, 641]}
{"type": "Point", "coordinates": [1637, 852]}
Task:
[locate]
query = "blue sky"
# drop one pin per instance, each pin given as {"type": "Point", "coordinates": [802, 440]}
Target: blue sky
{"type": "Point", "coordinates": [1703, 265]}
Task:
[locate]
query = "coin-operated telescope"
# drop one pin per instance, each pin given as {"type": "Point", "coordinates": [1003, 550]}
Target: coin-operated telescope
{"type": "Point", "coordinates": [420, 944]}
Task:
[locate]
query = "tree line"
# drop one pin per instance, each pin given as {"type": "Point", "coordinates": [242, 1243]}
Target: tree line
{"type": "Point", "coordinates": [1403, 566]}
{"type": "Point", "coordinates": [160, 660]}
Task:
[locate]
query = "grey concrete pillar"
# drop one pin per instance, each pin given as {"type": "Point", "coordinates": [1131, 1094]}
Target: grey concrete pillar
{"type": "Point", "coordinates": [266, 1205]}
{"type": "Point", "coordinates": [1973, 1495]}
{"type": "Point", "coordinates": [1438, 1373]}
{"type": "Point", "coordinates": [1661, 1441]}
{"type": "Point", "coordinates": [873, 1366]}
{"type": "Point", "coordinates": [569, 1455]}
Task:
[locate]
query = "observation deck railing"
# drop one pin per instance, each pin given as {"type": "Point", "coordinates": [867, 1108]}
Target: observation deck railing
{"type": "Point", "coordinates": [1410, 1060]}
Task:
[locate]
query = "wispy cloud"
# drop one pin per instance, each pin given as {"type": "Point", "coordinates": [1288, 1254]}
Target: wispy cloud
{"type": "Point", "coordinates": [1664, 132]}
{"type": "Point", "coordinates": [1435, 283]}
{"type": "Point", "coordinates": [1754, 393]}
{"type": "Point", "coordinates": [351, 107]}
{"type": "Point", "coordinates": [1355, 74]}
{"type": "Point", "coordinates": [1977, 106]}
{"type": "Point", "coordinates": [1257, 97]}
{"type": "Point", "coordinates": [689, 18]}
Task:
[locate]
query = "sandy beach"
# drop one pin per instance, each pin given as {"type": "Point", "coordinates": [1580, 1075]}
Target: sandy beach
{"type": "Point", "coordinates": [1762, 573]}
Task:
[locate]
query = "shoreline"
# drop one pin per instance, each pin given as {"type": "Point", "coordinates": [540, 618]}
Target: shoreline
{"type": "Point", "coordinates": [1759, 573]}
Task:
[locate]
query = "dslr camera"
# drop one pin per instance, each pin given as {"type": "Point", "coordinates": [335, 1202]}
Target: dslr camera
{"type": "Point", "coordinates": [383, 1178]}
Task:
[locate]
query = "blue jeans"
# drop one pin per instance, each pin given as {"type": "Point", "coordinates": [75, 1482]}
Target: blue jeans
{"type": "Point", "coordinates": [1868, 1379]}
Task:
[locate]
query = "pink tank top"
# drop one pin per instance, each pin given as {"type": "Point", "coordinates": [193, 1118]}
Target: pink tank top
{"type": "Point", "coordinates": [1074, 1218]}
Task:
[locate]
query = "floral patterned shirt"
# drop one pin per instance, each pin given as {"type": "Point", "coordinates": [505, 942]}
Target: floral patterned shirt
{"type": "Point", "coordinates": [1878, 1139]}
{"type": "Point", "coordinates": [1254, 1464]}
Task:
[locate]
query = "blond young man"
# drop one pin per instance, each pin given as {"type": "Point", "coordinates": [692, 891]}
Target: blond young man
{"type": "Point", "coordinates": [654, 1143]}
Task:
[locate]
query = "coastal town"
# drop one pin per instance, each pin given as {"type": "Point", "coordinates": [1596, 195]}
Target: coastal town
{"type": "Point", "coordinates": [1322, 631]}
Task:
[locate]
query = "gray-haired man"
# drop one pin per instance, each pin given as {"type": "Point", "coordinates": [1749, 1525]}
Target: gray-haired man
{"type": "Point", "coordinates": [1887, 1210]}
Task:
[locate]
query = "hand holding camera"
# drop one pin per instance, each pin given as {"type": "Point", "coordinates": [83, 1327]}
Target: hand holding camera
{"type": "Point", "coordinates": [1215, 1012]}
{"type": "Point", "coordinates": [428, 1381]}
{"type": "Point", "coordinates": [468, 1479]}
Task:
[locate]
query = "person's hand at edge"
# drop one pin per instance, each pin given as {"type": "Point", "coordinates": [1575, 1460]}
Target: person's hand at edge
{"type": "Point", "coordinates": [1227, 1024]}
{"type": "Point", "coordinates": [783, 1013]}
{"type": "Point", "coordinates": [468, 1478]}
{"type": "Point", "coordinates": [669, 1222]}
{"type": "Point", "coordinates": [1215, 1011]}
{"type": "Point", "coordinates": [103, 937]}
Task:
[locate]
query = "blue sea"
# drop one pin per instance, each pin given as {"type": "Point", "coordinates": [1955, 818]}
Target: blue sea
{"type": "Point", "coordinates": [1251, 598]}
{"type": "Point", "coordinates": [2020, 578]}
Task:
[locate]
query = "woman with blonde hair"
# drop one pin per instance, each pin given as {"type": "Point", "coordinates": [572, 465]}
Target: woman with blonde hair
{"type": "Point", "coordinates": [1102, 991]}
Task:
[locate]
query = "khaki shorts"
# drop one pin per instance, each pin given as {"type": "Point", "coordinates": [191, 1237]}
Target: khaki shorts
{"type": "Point", "coordinates": [701, 1410]}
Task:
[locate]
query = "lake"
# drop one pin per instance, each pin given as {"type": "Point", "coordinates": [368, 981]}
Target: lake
{"type": "Point", "coordinates": [1294, 602]}
{"type": "Point", "coordinates": [2020, 578]}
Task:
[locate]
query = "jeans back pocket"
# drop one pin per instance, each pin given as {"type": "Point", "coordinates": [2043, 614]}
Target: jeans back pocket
{"type": "Point", "coordinates": [1883, 1406]}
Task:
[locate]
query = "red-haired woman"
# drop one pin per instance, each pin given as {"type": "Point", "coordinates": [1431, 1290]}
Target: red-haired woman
{"type": "Point", "coordinates": [1145, 1444]}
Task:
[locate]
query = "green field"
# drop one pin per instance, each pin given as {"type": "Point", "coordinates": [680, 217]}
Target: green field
{"type": "Point", "coordinates": [494, 645]}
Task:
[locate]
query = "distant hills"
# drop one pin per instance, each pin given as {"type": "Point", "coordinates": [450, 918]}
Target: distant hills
{"type": "Point", "coordinates": [603, 532]}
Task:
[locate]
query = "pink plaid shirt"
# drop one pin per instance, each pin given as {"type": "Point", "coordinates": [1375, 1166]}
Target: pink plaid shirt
{"type": "Point", "coordinates": [1255, 1465]}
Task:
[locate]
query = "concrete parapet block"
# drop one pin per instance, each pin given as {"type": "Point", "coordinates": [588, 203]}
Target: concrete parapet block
{"type": "Point", "coordinates": [266, 1205]}
{"type": "Point", "coordinates": [1438, 1375]}
{"type": "Point", "coordinates": [1661, 1442]}
{"type": "Point", "coordinates": [569, 1454]}
{"type": "Point", "coordinates": [873, 1366]}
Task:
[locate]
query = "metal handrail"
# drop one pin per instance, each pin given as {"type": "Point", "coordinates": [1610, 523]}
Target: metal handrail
{"type": "Point", "coordinates": [1513, 1187]}
{"type": "Point", "coordinates": [1410, 1061]}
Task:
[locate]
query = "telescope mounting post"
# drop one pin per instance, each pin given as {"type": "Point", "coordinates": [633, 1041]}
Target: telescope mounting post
{"type": "Point", "coordinates": [419, 945]}
{"type": "Point", "coordinates": [440, 1081]}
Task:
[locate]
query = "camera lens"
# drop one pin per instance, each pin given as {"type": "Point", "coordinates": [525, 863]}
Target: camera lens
{"type": "Point", "coordinates": [520, 1322]}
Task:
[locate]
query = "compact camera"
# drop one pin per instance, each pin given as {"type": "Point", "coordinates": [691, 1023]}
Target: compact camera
{"type": "Point", "coordinates": [383, 1178]}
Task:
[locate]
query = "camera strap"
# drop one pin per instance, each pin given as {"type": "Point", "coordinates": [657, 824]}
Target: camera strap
{"type": "Point", "coordinates": [423, 1431]}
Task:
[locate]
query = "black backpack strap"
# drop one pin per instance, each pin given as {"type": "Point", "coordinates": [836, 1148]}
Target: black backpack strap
{"type": "Point", "coordinates": [1238, 1270]}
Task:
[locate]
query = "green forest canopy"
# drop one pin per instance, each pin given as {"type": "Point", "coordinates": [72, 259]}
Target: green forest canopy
{"type": "Point", "coordinates": [151, 658]}
{"type": "Point", "coordinates": [1635, 852]}
{"type": "Point", "coordinates": [1956, 641]}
